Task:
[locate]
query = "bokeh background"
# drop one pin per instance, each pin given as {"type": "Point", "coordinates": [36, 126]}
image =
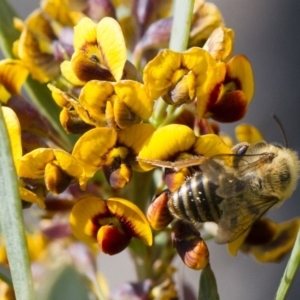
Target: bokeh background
{"type": "Point", "coordinates": [268, 33]}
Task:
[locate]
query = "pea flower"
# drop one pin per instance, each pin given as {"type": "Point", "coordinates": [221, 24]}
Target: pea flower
{"type": "Point", "coordinates": [57, 167]}
{"type": "Point", "coordinates": [267, 241]}
{"type": "Point", "coordinates": [13, 73]}
{"type": "Point", "coordinates": [46, 39]}
{"type": "Point", "coordinates": [111, 223]}
{"type": "Point", "coordinates": [14, 132]}
{"type": "Point", "coordinates": [100, 52]}
{"type": "Point", "coordinates": [113, 151]}
{"type": "Point", "coordinates": [176, 76]}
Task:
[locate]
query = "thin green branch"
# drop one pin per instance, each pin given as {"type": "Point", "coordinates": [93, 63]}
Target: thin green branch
{"type": "Point", "coordinates": [290, 271]}
{"type": "Point", "coordinates": [11, 220]}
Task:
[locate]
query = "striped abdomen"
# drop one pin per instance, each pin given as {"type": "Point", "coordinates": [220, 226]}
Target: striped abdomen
{"type": "Point", "coordinates": [196, 200]}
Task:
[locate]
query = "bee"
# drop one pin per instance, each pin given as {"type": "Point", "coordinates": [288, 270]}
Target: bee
{"type": "Point", "coordinates": [234, 196]}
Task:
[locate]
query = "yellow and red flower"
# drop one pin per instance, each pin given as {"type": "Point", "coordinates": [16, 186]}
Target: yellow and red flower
{"type": "Point", "coordinates": [111, 223]}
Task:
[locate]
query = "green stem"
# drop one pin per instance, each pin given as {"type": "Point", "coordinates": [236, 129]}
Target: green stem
{"type": "Point", "coordinates": [181, 25]}
{"type": "Point", "coordinates": [11, 220]}
{"type": "Point", "coordinates": [178, 42]}
{"type": "Point", "coordinates": [290, 271]}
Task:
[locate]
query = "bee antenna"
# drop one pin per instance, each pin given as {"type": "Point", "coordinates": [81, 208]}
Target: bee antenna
{"type": "Point", "coordinates": [281, 129]}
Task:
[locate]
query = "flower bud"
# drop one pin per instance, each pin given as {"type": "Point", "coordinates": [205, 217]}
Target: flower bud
{"type": "Point", "coordinates": [158, 213]}
{"type": "Point", "coordinates": [190, 246]}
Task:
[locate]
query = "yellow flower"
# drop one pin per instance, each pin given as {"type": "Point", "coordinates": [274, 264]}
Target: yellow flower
{"type": "Point", "coordinates": [117, 105]}
{"type": "Point", "coordinates": [228, 92]}
{"type": "Point", "coordinates": [14, 132]}
{"type": "Point", "coordinates": [13, 74]}
{"type": "Point", "coordinates": [176, 76]}
{"type": "Point", "coordinates": [100, 52]}
{"type": "Point", "coordinates": [57, 167]}
{"type": "Point", "coordinates": [102, 103]}
{"type": "Point", "coordinates": [113, 151]}
{"type": "Point", "coordinates": [179, 141]}
{"type": "Point", "coordinates": [46, 39]}
{"type": "Point", "coordinates": [111, 223]}
{"type": "Point", "coordinates": [268, 241]}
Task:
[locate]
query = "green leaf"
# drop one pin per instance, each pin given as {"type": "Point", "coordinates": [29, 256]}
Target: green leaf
{"type": "Point", "coordinates": [63, 283]}
{"type": "Point", "coordinates": [11, 220]}
{"type": "Point", "coordinates": [208, 285]}
{"type": "Point", "coordinates": [290, 271]}
{"type": "Point", "coordinates": [8, 34]}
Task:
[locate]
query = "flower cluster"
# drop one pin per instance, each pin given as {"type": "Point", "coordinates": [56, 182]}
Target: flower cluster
{"type": "Point", "coordinates": [128, 117]}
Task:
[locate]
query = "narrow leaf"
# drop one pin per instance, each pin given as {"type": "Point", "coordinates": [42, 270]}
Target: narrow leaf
{"type": "Point", "coordinates": [11, 220]}
{"type": "Point", "coordinates": [290, 271]}
{"type": "Point", "coordinates": [208, 285]}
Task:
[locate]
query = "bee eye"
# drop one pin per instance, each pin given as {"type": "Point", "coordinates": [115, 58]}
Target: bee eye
{"type": "Point", "coordinates": [242, 150]}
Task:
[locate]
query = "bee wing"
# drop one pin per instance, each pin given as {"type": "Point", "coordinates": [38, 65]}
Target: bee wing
{"type": "Point", "coordinates": [239, 213]}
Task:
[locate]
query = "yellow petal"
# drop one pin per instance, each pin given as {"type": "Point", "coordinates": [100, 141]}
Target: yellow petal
{"type": "Point", "coordinates": [282, 244]}
{"type": "Point", "coordinates": [139, 224]}
{"type": "Point", "coordinates": [13, 74]}
{"type": "Point", "coordinates": [33, 164]}
{"type": "Point", "coordinates": [70, 165]}
{"type": "Point", "coordinates": [220, 43]}
{"type": "Point", "coordinates": [134, 138]}
{"type": "Point", "coordinates": [235, 246]}
{"type": "Point", "coordinates": [58, 96]}
{"type": "Point", "coordinates": [85, 32]}
{"type": "Point", "coordinates": [81, 218]}
{"type": "Point", "coordinates": [210, 145]}
{"type": "Point", "coordinates": [68, 72]}
{"type": "Point", "coordinates": [158, 73]}
{"type": "Point", "coordinates": [239, 68]}
{"type": "Point", "coordinates": [31, 197]}
{"type": "Point", "coordinates": [93, 98]}
{"type": "Point", "coordinates": [248, 133]}
{"type": "Point", "coordinates": [91, 148]}
{"type": "Point", "coordinates": [208, 91]}
{"type": "Point", "coordinates": [174, 138]}
{"type": "Point", "coordinates": [35, 47]}
{"type": "Point", "coordinates": [14, 132]}
{"type": "Point", "coordinates": [112, 46]}
{"type": "Point", "coordinates": [133, 95]}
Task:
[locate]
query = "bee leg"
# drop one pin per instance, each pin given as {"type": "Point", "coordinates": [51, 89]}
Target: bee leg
{"type": "Point", "coordinates": [240, 149]}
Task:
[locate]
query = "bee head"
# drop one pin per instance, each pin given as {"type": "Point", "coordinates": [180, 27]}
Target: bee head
{"type": "Point", "coordinates": [285, 170]}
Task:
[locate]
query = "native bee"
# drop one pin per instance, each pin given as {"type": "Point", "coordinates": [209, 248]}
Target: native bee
{"type": "Point", "coordinates": [233, 196]}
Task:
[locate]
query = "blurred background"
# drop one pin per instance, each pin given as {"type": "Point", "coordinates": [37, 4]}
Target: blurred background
{"type": "Point", "coordinates": [268, 33]}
